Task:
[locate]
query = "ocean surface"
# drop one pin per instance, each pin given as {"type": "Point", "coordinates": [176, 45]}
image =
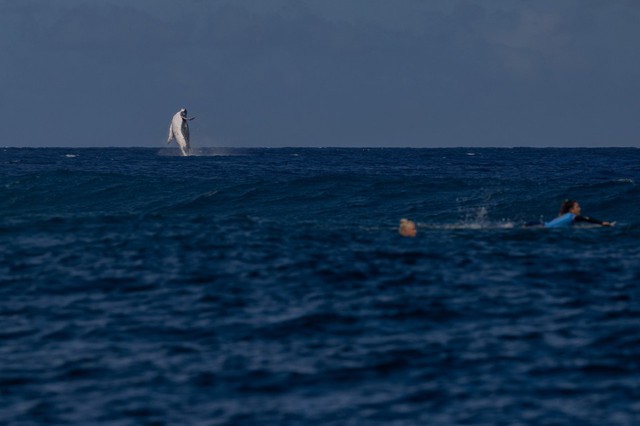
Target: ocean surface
{"type": "Point", "coordinates": [271, 287]}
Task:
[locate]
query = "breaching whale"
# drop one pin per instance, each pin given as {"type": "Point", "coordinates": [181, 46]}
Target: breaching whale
{"type": "Point", "coordinates": [179, 130]}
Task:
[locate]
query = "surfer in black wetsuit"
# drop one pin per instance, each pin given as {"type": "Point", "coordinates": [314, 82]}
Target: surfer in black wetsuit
{"type": "Point", "coordinates": [570, 214]}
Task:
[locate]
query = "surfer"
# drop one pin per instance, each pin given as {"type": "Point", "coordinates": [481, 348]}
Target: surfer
{"type": "Point", "coordinates": [179, 130]}
{"type": "Point", "coordinates": [570, 214]}
{"type": "Point", "coordinates": [407, 228]}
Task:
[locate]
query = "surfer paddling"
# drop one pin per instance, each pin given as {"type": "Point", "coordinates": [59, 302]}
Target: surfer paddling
{"type": "Point", "coordinates": [570, 214]}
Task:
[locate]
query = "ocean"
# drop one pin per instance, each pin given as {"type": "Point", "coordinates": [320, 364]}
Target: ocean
{"type": "Point", "coordinates": [271, 287]}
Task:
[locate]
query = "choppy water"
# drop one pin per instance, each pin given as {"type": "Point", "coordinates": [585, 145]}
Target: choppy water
{"type": "Point", "coordinates": [270, 286]}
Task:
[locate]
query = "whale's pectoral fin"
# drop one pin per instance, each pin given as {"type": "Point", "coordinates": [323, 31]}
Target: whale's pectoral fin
{"type": "Point", "coordinates": [170, 137]}
{"type": "Point", "coordinates": [191, 118]}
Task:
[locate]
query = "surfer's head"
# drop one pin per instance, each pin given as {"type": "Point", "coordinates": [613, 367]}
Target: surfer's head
{"type": "Point", "coordinates": [407, 228]}
{"type": "Point", "coordinates": [570, 206]}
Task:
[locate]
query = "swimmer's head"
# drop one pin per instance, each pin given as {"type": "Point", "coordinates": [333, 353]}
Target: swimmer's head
{"type": "Point", "coordinates": [570, 206]}
{"type": "Point", "coordinates": [407, 228]}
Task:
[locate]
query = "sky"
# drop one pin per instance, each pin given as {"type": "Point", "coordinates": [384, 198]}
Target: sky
{"type": "Point", "coordinates": [321, 73]}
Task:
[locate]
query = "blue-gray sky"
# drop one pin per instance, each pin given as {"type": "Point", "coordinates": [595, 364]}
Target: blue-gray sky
{"type": "Point", "coordinates": [349, 73]}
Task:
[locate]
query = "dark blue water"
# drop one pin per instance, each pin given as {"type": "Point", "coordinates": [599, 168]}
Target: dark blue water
{"type": "Point", "coordinates": [270, 287]}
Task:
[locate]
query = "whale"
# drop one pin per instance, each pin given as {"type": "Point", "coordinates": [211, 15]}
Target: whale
{"type": "Point", "coordinates": [179, 130]}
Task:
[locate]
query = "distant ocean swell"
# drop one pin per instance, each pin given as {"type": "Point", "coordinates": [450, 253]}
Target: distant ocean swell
{"type": "Point", "coordinates": [58, 193]}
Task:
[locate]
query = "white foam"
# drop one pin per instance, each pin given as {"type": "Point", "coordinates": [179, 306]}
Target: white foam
{"type": "Point", "coordinates": [468, 225]}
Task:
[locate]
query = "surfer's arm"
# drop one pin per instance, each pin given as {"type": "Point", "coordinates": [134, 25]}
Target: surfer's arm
{"type": "Point", "coordinates": [592, 220]}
